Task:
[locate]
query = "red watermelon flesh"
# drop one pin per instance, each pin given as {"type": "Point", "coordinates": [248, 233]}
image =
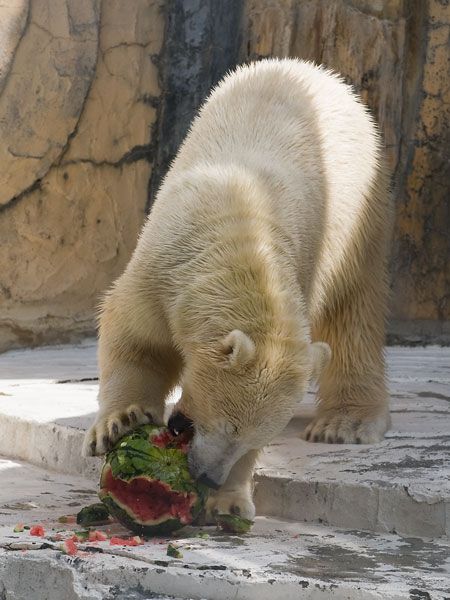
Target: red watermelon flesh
{"type": "Point", "coordinates": [134, 496]}
{"type": "Point", "coordinates": [146, 485]}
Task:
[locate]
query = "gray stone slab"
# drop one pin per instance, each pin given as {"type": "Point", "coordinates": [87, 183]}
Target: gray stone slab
{"type": "Point", "coordinates": [277, 559]}
{"type": "Point", "coordinates": [400, 485]}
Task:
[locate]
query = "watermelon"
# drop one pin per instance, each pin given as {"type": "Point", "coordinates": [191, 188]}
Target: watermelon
{"type": "Point", "coordinates": [145, 482]}
{"type": "Point", "coordinates": [233, 523]}
{"type": "Point", "coordinates": [95, 514]}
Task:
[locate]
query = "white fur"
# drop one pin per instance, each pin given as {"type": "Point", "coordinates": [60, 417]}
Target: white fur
{"type": "Point", "coordinates": [271, 228]}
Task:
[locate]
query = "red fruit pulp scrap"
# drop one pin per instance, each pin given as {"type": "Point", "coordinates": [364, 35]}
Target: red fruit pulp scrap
{"type": "Point", "coordinates": [97, 536]}
{"type": "Point", "coordinates": [163, 439]}
{"type": "Point", "coordinates": [70, 547]}
{"type": "Point", "coordinates": [118, 541]}
{"type": "Point", "coordinates": [166, 438]}
{"type": "Point", "coordinates": [136, 495]}
{"type": "Point", "coordinates": [37, 530]}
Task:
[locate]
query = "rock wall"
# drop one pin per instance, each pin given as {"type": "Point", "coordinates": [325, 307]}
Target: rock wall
{"type": "Point", "coordinates": [96, 95]}
{"type": "Point", "coordinates": [396, 53]}
{"type": "Point", "coordinates": [78, 100]}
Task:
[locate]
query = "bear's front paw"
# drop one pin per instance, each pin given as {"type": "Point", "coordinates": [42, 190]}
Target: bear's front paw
{"type": "Point", "coordinates": [346, 429]}
{"type": "Point", "coordinates": [108, 428]}
{"type": "Point", "coordinates": [230, 502]}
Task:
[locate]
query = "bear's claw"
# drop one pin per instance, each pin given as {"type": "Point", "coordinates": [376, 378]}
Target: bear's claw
{"type": "Point", "coordinates": [108, 428]}
{"type": "Point", "coordinates": [345, 429]}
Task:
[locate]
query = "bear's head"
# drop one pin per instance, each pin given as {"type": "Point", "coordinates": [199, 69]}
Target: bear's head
{"type": "Point", "coordinates": [238, 395]}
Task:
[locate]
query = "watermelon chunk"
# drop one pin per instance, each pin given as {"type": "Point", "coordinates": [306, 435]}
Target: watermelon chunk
{"type": "Point", "coordinates": [97, 536]}
{"type": "Point", "coordinates": [69, 547]}
{"type": "Point", "coordinates": [37, 530]}
{"type": "Point", "coordinates": [118, 541]}
{"type": "Point", "coordinates": [233, 523]}
{"type": "Point", "coordinates": [95, 514]}
{"type": "Point", "coordinates": [145, 482]}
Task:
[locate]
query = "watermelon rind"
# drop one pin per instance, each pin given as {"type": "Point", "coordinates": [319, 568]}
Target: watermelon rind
{"type": "Point", "coordinates": [134, 456]}
{"type": "Point", "coordinates": [94, 514]}
{"type": "Point", "coordinates": [233, 523]}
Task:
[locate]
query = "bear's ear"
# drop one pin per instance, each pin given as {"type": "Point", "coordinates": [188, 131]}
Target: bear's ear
{"type": "Point", "coordinates": [320, 354]}
{"type": "Point", "coordinates": [237, 348]}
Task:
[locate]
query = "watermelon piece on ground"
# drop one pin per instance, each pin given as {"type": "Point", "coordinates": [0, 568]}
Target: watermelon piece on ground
{"type": "Point", "coordinates": [174, 551]}
{"type": "Point", "coordinates": [95, 514]}
{"type": "Point", "coordinates": [69, 547]}
{"type": "Point", "coordinates": [37, 530]}
{"type": "Point", "coordinates": [97, 536]}
{"type": "Point", "coordinates": [233, 523]}
{"type": "Point", "coordinates": [118, 541]}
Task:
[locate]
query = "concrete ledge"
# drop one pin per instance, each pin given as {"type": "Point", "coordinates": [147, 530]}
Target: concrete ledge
{"type": "Point", "coordinates": [277, 559]}
{"type": "Point", "coordinates": [48, 398]}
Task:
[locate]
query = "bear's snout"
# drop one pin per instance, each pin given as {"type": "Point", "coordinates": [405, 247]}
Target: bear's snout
{"type": "Point", "coordinates": [179, 423]}
{"type": "Point", "coordinates": [207, 481]}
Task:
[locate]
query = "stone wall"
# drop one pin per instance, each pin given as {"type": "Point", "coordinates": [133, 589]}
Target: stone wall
{"type": "Point", "coordinates": [396, 53]}
{"type": "Point", "coordinates": [96, 95]}
{"type": "Point", "coordinates": [78, 101]}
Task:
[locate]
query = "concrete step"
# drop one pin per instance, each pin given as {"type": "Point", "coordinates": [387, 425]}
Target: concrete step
{"type": "Point", "coordinates": [402, 485]}
{"type": "Point", "coordinates": [279, 558]}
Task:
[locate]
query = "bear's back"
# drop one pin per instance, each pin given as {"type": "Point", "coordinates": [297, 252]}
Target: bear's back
{"type": "Point", "coordinates": [304, 131]}
{"type": "Point", "coordinates": [301, 132]}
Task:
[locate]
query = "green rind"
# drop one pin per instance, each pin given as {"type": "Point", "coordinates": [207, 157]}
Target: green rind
{"type": "Point", "coordinates": [144, 530]}
{"type": "Point", "coordinates": [168, 526]}
{"type": "Point", "coordinates": [173, 551]}
{"type": "Point", "coordinates": [136, 456]}
{"type": "Point", "coordinates": [95, 514]}
{"type": "Point", "coordinates": [234, 523]}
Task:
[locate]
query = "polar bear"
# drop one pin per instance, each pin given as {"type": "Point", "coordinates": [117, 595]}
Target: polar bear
{"type": "Point", "coordinates": [261, 265]}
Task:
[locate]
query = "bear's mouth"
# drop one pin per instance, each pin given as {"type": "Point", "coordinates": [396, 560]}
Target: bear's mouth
{"type": "Point", "coordinates": [180, 423]}
{"type": "Point", "coordinates": [208, 482]}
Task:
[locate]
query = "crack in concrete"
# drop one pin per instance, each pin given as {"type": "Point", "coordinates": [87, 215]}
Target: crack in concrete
{"type": "Point", "coordinates": [15, 199]}
{"type": "Point", "coordinates": [82, 380]}
{"type": "Point", "coordinates": [59, 37]}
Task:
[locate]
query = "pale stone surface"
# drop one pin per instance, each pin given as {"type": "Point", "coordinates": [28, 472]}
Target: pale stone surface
{"type": "Point", "coordinates": [75, 159]}
{"type": "Point", "coordinates": [400, 485]}
{"type": "Point", "coordinates": [277, 559]}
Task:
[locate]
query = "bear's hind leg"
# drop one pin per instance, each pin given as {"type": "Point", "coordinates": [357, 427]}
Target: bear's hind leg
{"type": "Point", "coordinates": [353, 397]}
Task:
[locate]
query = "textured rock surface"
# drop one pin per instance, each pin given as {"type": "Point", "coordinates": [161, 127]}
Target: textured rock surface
{"type": "Point", "coordinates": [397, 56]}
{"type": "Point", "coordinates": [422, 245]}
{"type": "Point", "coordinates": [88, 130]}
{"type": "Point", "coordinates": [75, 155]}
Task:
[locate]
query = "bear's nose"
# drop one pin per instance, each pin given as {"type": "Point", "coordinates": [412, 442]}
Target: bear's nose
{"type": "Point", "coordinates": [179, 423]}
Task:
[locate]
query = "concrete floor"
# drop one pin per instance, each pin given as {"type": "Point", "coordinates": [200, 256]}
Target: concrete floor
{"type": "Point", "coordinates": [336, 521]}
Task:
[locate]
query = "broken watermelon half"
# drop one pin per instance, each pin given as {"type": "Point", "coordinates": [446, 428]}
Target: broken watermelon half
{"type": "Point", "coordinates": [145, 482]}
